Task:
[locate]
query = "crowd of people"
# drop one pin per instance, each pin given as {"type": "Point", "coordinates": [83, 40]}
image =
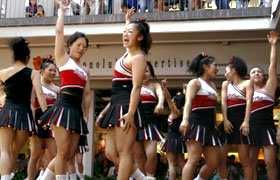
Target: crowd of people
{"type": "Point", "coordinates": [95, 7]}
{"type": "Point", "coordinates": [55, 117]}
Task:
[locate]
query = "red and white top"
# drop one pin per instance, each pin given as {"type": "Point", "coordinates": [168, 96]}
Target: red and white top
{"type": "Point", "coordinates": [235, 97]}
{"type": "Point", "coordinates": [147, 95]}
{"type": "Point", "coordinates": [72, 75]}
{"type": "Point", "coordinates": [50, 95]}
{"type": "Point", "coordinates": [261, 100]}
{"type": "Point", "coordinates": [206, 97]}
{"type": "Point", "coordinates": [121, 72]}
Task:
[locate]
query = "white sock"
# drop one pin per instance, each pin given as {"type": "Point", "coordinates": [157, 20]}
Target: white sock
{"type": "Point", "coordinates": [73, 176]}
{"type": "Point", "coordinates": [138, 175]}
{"type": "Point", "coordinates": [81, 176]}
{"type": "Point", "coordinates": [67, 175]}
{"type": "Point", "coordinates": [12, 175]}
{"type": "Point", "coordinates": [5, 177]}
{"type": "Point", "coordinates": [198, 178]}
{"type": "Point", "coordinates": [60, 177]}
{"type": "Point", "coordinates": [40, 175]}
{"type": "Point", "coordinates": [48, 175]}
{"type": "Point", "coordinates": [151, 175]}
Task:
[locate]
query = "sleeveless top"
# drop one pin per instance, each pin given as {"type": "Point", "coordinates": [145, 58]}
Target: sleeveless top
{"type": "Point", "coordinates": [262, 108]}
{"type": "Point", "coordinates": [236, 100]}
{"type": "Point", "coordinates": [50, 95]}
{"type": "Point", "coordinates": [19, 86]}
{"type": "Point", "coordinates": [174, 124]}
{"type": "Point", "coordinates": [148, 96]}
{"type": "Point", "coordinates": [203, 105]}
{"type": "Point", "coordinates": [121, 72]}
{"type": "Point", "coordinates": [73, 78]}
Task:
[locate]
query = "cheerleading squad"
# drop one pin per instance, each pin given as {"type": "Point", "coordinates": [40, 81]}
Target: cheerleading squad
{"type": "Point", "coordinates": [56, 121]}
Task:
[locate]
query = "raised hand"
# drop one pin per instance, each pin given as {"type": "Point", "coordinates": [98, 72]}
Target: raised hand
{"type": "Point", "coordinates": [272, 37]}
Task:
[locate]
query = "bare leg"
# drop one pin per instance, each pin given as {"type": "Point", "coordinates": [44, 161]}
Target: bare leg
{"type": "Point", "coordinates": [194, 151]}
{"type": "Point", "coordinates": [7, 135]}
{"type": "Point", "coordinates": [79, 159]}
{"type": "Point", "coordinates": [223, 161]}
{"type": "Point", "coordinates": [211, 154]}
{"type": "Point", "coordinates": [19, 141]}
{"type": "Point", "coordinates": [243, 153]}
{"type": "Point", "coordinates": [254, 153]}
{"type": "Point", "coordinates": [111, 147]}
{"type": "Point", "coordinates": [139, 156]}
{"type": "Point", "coordinates": [36, 152]}
{"type": "Point", "coordinates": [270, 161]}
{"type": "Point", "coordinates": [151, 154]}
{"type": "Point", "coordinates": [125, 141]}
{"type": "Point", "coordinates": [172, 162]}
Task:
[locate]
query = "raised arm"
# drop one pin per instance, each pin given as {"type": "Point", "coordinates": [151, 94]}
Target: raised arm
{"type": "Point", "coordinates": [86, 98]}
{"type": "Point", "coordinates": [36, 81]}
{"type": "Point", "coordinates": [271, 83]}
{"type": "Point", "coordinates": [192, 89]}
{"type": "Point", "coordinates": [61, 56]}
{"type": "Point", "coordinates": [174, 111]}
{"type": "Point", "coordinates": [138, 64]}
{"type": "Point", "coordinates": [128, 15]}
{"type": "Point", "coordinates": [160, 107]}
{"type": "Point", "coordinates": [249, 99]}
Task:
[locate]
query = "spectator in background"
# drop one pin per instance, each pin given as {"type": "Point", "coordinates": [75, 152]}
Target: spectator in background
{"type": "Point", "coordinates": [107, 6]}
{"type": "Point", "coordinates": [90, 7]}
{"type": "Point", "coordinates": [222, 4]}
{"type": "Point", "coordinates": [31, 10]}
{"type": "Point", "coordinates": [149, 4]}
{"type": "Point", "coordinates": [124, 7]}
{"type": "Point", "coordinates": [40, 11]}
{"type": "Point", "coordinates": [131, 3]}
{"type": "Point", "coordinates": [2, 11]}
{"type": "Point", "coordinates": [181, 3]}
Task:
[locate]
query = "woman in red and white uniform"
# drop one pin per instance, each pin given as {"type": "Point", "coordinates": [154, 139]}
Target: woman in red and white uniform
{"type": "Point", "coordinates": [48, 73]}
{"type": "Point", "coordinates": [68, 116]}
{"type": "Point", "coordinates": [199, 118]}
{"type": "Point", "coordinates": [174, 145]}
{"type": "Point", "coordinates": [145, 148]}
{"type": "Point", "coordinates": [237, 96]}
{"type": "Point", "coordinates": [262, 126]}
{"type": "Point", "coordinates": [124, 114]}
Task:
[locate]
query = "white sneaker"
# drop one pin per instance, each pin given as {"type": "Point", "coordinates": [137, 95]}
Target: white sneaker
{"type": "Point", "coordinates": [149, 178]}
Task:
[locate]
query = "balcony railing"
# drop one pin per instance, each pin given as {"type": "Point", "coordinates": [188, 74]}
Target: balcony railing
{"type": "Point", "coordinates": [22, 8]}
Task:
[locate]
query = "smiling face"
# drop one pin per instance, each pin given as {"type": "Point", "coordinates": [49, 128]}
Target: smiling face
{"type": "Point", "coordinates": [131, 36]}
{"type": "Point", "coordinates": [256, 74]}
{"type": "Point", "coordinates": [212, 69]}
{"type": "Point", "coordinates": [78, 48]}
{"type": "Point", "coordinates": [229, 73]}
{"type": "Point", "coordinates": [49, 72]}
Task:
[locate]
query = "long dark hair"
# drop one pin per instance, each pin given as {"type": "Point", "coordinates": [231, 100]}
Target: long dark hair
{"type": "Point", "coordinates": [74, 38]}
{"type": "Point", "coordinates": [179, 100]}
{"type": "Point", "coordinates": [150, 66]}
{"type": "Point", "coordinates": [144, 30]}
{"type": "Point", "coordinates": [20, 49]}
{"type": "Point", "coordinates": [197, 63]}
{"type": "Point", "coordinates": [239, 65]}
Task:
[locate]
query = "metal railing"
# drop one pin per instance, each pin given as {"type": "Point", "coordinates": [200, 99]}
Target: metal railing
{"type": "Point", "coordinates": [21, 8]}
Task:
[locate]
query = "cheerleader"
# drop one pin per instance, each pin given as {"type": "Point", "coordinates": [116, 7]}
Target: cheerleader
{"type": "Point", "coordinates": [16, 118]}
{"type": "Point", "coordinates": [174, 145]}
{"type": "Point", "coordinates": [82, 148]}
{"type": "Point", "coordinates": [68, 116]}
{"type": "Point", "coordinates": [125, 113]}
{"type": "Point", "coordinates": [199, 118]}
{"type": "Point", "coordinates": [237, 95]}
{"type": "Point", "coordinates": [145, 148]}
{"type": "Point", "coordinates": [262, 128]}
{"type": "Point", "coordinates": [43, 136]}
